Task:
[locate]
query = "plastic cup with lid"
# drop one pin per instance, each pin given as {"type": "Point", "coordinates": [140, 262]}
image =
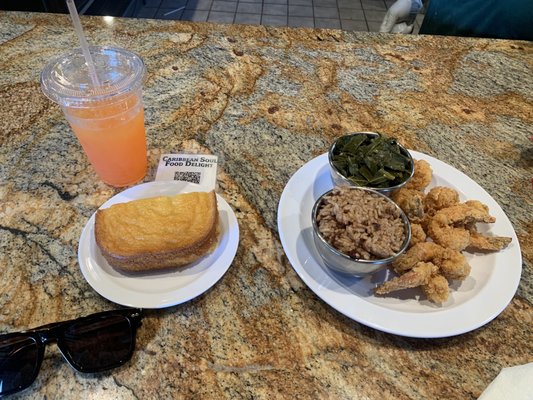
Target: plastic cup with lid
{"type": "Point", "coordinates": [107, 118]}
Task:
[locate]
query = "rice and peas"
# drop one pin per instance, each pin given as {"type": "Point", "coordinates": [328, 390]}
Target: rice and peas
{"type": "Point", "coordinates": [361, 224]}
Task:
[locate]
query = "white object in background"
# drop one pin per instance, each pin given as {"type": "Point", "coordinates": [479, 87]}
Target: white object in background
{"type": "Point", "coordinates": [513, 383]}
{"type": "Point", "coordinates": [400, 17]}
{"type": "Point", "coordinates": [402, 28]}
{"type": "Point", "coordinates": [200, 169]}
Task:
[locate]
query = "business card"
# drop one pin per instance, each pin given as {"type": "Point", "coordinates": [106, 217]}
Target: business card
{"type": "Point", "coordinates": [194, 168]}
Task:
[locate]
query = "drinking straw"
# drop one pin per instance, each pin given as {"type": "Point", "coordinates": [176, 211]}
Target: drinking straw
{"type": "Point", "coordinates": [173, 11]}
{"type": "Point", "coordinates": [83, 42]}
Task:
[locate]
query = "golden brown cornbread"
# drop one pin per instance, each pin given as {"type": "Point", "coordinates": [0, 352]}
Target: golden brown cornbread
{"type": "Point", "coordinates": [159, 232]}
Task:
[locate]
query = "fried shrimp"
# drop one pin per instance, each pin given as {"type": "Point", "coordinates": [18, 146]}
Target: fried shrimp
{"type": "Point", "coordinates": [449, 226]}
{"type": "Point", "coordinates": [487, 243]}
{"type": "Point", "coordinates": [453, 264]}
{"type": "Point", "coordinates": [425, 252]}
{"type": "Point", "coordinates": [441, 228]}
{"type": "Point", "coordinates": [437, 289]}
{"type": "Point", "coordinates": [411, 202]}
{"type": "Point", "coordinates": [478, 205]}
{"type": "Point", "coordinates": [419, 275]}
{"type": "Point", "coordinates": [417, 234]}
{"type": "Point", "coordinates": [438, 198]}
{"type": "Point", "coordinates": [444, 233]}
{"type": "Point", "coordinates": [468, 212]}
{"type": "Point", "coordinates": [421, 177]}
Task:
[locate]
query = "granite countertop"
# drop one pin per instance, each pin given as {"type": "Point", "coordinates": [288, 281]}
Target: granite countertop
{"type": "Point", "coordinates": [266, 100]}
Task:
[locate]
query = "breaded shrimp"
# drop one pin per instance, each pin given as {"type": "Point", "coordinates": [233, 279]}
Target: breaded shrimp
{"type": "Point", "coordinates": [487, 243]}
{"type": "Point", "coordinates": [411, 202]}
{"type": "Point", "coordinates": [417, 276]}
{"type": "Point", "coordinates": [478, 205]}
{"type": "Point", "coordinates": [468, 212]}
{"type": "Point", "coordinates": [437, 289]}
{"type": "Point", "coordinates": [438, 198]}
{"type": "Point", "coordinates": [453, 264]}
{"type": "Point", "coordinates": [417, 234]}
{"type": "Point", "coordinates": [421, 177]}
{"type": "Point", "coordinates": [425, 251]}
{"type": "Point", "coordinates": [449, 226]}
{"type": "Point", "coordinates": [444, 233]}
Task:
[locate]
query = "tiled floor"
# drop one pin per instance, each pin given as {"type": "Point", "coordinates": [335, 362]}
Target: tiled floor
{"type": "Point", "coordinates": [356, 15]}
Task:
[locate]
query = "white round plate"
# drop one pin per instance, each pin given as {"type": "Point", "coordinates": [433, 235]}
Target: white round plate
{"type": "Point", "coordinates": [163, 289]}
{"type": "Point", "coordinates": [472, 303]}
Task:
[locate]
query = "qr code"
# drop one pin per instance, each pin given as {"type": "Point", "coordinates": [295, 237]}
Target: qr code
{"type": "Point", "coordinates": [193, 177]}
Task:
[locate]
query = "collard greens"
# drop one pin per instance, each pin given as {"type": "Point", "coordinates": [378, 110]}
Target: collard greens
{"type": "Point", "coordinates": [371, 161]}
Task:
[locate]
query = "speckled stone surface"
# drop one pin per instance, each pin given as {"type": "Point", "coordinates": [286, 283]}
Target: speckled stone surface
{"type": "Point", "coordinates": [266, 101]}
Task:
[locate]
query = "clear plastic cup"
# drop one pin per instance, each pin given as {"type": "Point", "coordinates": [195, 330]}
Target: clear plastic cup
{"type": "Point", "coordinates": [108, 120]}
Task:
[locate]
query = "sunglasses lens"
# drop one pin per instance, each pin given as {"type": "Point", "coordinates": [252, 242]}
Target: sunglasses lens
{"type": "Point", "coordinates": [19, 363]}
{"type": "Point", "coordinates": [98, 344]}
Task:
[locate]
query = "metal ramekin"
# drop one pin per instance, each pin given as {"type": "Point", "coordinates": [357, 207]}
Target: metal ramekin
{"type": "Point", "coordinates": [340, 262]}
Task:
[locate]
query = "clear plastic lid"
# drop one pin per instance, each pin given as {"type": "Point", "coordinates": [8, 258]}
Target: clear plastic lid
{"type": "Point", "coordinates": [66, 81]}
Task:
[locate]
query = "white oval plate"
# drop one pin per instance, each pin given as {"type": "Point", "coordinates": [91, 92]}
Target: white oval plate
{"type": "Point", "coordinates": [164, 289]}
{"type": "Point", "coordinates": [472, 302]}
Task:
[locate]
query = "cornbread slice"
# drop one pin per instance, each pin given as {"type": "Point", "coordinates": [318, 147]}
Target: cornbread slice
{"type": "Point", "coordinates": [159, 232]}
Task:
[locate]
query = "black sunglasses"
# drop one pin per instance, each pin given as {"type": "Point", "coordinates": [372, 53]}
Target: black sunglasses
{"type": "Point", "coordinates": [94, 343]}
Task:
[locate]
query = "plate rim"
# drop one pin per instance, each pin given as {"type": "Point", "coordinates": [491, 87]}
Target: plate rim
{"type": "Point", "coordinates": [384, 323]}
{"type": "Point", "coordinates": [199, 285]}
